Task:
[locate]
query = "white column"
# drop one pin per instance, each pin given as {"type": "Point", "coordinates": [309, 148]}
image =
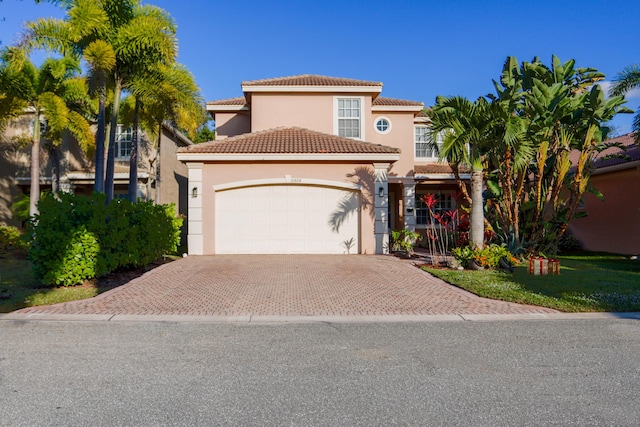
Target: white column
{"type": "Point", "coordinates": [409, 189]}
{"type": "Point", "coordinates": [381, 206]}
{"type": "Point", "coordinates": [141, 191]}
{"type": "Point", "coordinates": [195, 241]}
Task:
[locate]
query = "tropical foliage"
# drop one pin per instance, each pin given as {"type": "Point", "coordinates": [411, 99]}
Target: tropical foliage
{"type": "Point", "coordinates": [54, 94]}
{"type": "Point", "coordinates": [531, 146]}
{"type": "Point", "coordinates": [129, 48]}
{"type": "Point", "coordinates": [627, 80]}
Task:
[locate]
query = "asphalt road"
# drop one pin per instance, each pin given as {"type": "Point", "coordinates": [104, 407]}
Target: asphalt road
{"type": "Point", "coordinates": [569, 372]}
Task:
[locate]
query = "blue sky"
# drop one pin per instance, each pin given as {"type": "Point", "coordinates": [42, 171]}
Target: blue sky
{"type": "Point", "coordinates": [418, 49]}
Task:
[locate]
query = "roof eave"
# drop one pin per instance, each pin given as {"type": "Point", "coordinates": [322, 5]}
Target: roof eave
{"type": "Point", "coordinates": [226, 108]}
{"type": "Point", "coordinates": [306, 157]}
{"type": "Point", "coordinates": [408, 108]}
{"type": "Point", "coordinates": [431, 176]}
{"type": "Point", "coordinates": [311, 88]}
{"type": "Point", "coordinates": [614, 168]}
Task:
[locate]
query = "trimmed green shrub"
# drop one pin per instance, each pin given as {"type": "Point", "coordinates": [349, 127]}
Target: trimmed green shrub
{"type": "Point", "coordinates": [77, 237]}
{"type": "Point", "coordinates": [79, 260]}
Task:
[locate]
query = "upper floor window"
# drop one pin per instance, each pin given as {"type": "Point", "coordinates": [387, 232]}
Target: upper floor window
{"type": "Point", "coordinates": [382, 125]}
{"type": "Point", "coordinates": [124, 139]}
{"type": "Point", "coordinates": [349, 117]}
{"type": "Point", "coordinates": [424, 150]}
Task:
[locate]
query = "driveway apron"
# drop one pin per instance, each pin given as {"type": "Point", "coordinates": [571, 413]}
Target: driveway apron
{"type": "Point", "coordinates": [287, 285]}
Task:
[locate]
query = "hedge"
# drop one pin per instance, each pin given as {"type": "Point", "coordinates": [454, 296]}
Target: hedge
{"type": "Point", "coordinates": [79, 237]}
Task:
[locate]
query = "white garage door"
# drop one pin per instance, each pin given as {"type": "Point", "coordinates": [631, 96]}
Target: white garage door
{"type": "Point", "coordinates": [286, 219]}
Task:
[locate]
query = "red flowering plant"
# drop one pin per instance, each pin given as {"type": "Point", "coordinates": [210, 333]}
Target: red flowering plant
{"type": "Point", "coordinates": [440, 228]}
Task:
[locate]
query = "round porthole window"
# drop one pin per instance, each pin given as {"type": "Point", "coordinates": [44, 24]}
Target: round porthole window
{"type": "Point", "coordinates": [383, 125]}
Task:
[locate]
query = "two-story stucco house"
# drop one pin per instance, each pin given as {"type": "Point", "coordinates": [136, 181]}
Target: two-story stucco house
{"type": "Point", "coordinates": [311, 164]}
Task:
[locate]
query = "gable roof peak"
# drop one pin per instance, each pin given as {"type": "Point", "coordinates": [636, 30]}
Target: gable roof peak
{"type": "Point", "coordinates": [310, 80]}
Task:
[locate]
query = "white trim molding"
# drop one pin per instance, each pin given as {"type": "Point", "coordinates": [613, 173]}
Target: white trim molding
{"type": "Point", "coordinates": [287, 180]}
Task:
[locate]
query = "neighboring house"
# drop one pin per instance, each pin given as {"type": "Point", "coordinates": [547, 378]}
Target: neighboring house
{"type": "Point", "coordinates": [77, 171]}
{"type": "Point", "coordinates": [613, 225]}
{"type": "Point", "coordinates": [311, 164]}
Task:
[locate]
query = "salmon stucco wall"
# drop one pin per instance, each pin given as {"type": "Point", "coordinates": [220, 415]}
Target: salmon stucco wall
{"type": "Point", "coordinates": [232, 124]}
{"type": "Point", "coordinates": [313, 111]}
{"type": "Point", "coordinates": [221, 173]}
{"type": "Point", "coordinates": [612, 225]}
{"type": "Point", "coordinates": [400, 136]}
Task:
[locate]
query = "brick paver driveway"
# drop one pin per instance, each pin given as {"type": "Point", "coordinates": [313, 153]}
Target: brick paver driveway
{"type": "Point", "coordinates": [287, 285]}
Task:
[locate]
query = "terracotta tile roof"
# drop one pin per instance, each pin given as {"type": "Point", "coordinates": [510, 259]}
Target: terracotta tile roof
{"type": "Point", "coordinates": [630, 153]}
{"type": "Point", "coordinates": [433, 168]}
{"type": "Point", "coordinates": [422, 114]}
{"type": "Point", "coordinates": [240, 100]}
{"type": "Point", "coordinates": [382, 100]}
{"type": "Point", "coordinates": [310, 80]}
{"type": "Point", "coordinates": [288, 140]}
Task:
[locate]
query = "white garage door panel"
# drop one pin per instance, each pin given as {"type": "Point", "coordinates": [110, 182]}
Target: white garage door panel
{"type": "Point", "coordinates": [283, 219]}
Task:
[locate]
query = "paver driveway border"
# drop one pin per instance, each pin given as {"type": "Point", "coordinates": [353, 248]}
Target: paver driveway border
{"type": "Point", "coordinates": [290, 288]}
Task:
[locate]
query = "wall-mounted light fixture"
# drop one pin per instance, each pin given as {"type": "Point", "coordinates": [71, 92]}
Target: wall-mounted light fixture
{"type": "Point", "coordinates": [194, 192]}
{"type": "Point", "coordinates": [381, 191]}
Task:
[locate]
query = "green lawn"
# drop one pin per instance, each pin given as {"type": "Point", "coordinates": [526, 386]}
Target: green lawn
{"type": "Point", "coordinates": [19, 289]}
{"type": "Point", "coordinates": [587, 282]}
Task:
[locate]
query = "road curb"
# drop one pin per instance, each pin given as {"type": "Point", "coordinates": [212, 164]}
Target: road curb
{"type": "Point", "coordinates": [116, 318]}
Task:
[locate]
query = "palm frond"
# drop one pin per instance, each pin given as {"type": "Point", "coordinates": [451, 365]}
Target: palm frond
{"type": "Point", "coordinates": [626, 80]}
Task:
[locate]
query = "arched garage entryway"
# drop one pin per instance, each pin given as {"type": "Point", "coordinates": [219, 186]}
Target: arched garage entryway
{"type": "Point", "coordinates": [265, 217]}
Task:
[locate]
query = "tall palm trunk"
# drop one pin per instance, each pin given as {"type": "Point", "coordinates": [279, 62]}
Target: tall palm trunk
{"type": "Point", "coordinates": [55, 173]}
{"type": "Point", "coordinates": [477, 208]}
{"type": "Point", "coordinates": [98, 184]}
{"type": "Point", "coordinates": [133, 159]}
{"type": "Point", "coordinates": [158, 180]}
{"type": "Point", "coordinates": [34, 191]}
{"type": "Point", "coordinates": [111, 153]}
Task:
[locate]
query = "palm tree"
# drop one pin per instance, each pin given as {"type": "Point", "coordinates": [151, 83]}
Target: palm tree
{"type": "Point", "coordinates": [627, 80]}
{"type": "Point", "coordinates": [118, 38]}
{"type": "Point", "coordinates": [168, 94]}
{"type": "Point", "coordinates": [465, 127]}
{"type": "Point", "coordinates": [101, 59]}
{"type": "Point", "coordinates": [48, 92]}
{"type": "Point", "coordinates": [143, 42]}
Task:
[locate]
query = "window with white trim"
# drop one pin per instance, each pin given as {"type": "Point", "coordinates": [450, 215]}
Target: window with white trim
{"type": "Point", "coordinates": [424, 150]}
{"type": "Point", "coordinates": [382, 125]}
{"type": "Point", "coordinates": [444, 203]}
{"type": "Point", "coordinates": [124, 140]}
{"type": "Point", "coordinates": [349, 117]}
